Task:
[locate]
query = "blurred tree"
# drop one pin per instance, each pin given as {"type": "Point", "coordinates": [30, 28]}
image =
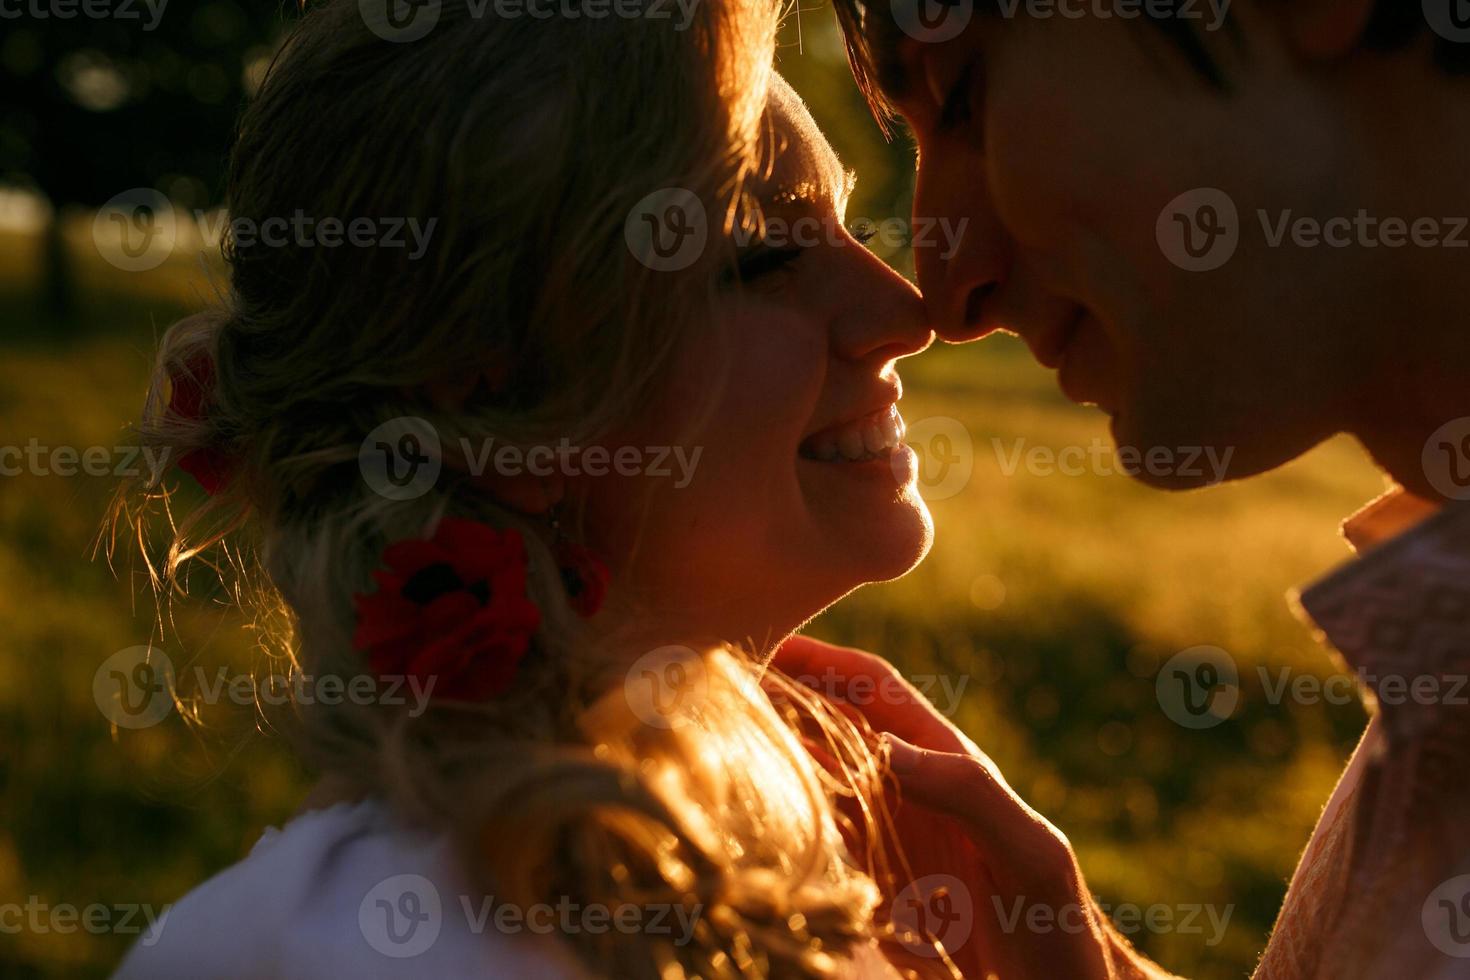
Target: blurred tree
{"type": "Point", "coordinates": [143, 96]}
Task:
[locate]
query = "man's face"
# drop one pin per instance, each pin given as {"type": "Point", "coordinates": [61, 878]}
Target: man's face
{"type": "Point", "coordinates": [1063, 143]}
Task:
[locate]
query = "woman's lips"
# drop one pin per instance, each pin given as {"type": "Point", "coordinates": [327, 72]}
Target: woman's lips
{"type": "Point", "coordinates": [873, 436]}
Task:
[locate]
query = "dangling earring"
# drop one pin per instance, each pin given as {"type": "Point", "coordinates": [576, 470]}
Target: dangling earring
{"type": "Point", "coordinates": [583, 574]}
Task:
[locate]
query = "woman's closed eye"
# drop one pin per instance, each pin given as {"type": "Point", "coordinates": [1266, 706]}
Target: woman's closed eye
{"type": "Point", "coordinates": [763, 260]}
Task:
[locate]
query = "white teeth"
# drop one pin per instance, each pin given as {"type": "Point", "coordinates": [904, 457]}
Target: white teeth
{"type": "Point", "coordinates": [892, 429]}
{"type": "Point", "coordinates": [873, 438]}
{"type": "Point", "coordinates": [870, 437]}
{"type": "Point", "coordinates": [850, 441]}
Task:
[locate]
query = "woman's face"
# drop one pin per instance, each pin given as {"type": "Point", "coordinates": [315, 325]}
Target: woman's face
{"type": "Point", "coordinates": [800, 487]}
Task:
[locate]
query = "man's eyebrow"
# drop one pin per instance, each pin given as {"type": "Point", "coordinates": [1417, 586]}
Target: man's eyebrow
{"type": "Point", "coordinates": [873, 39]}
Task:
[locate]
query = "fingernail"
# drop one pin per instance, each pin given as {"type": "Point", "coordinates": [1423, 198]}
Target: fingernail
{"type": "Point", "coordinates": [903, 758]}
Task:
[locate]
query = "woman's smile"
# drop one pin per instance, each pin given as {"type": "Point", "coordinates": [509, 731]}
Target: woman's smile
{"type": "Point", "coordinates": [867, 437]}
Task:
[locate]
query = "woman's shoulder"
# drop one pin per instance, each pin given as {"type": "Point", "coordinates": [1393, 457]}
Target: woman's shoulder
{"type": "Point", "coordinates": [342, 891]}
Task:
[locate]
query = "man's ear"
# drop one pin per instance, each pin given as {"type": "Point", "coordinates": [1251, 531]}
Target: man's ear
{"type": "Point", "coordinates": [1324, 30]}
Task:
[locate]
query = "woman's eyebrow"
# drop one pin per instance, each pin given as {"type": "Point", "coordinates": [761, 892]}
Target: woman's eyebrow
{"type": "Point", "coordinates": [846, 187]}
{"type": "Point", "coordinates": [835, 190]}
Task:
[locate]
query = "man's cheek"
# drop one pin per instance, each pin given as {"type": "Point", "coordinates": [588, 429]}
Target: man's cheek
{"type": "Point", "coordinates": [1041, 160]}
{"type": "Point", "coordinates": [1089, 200]}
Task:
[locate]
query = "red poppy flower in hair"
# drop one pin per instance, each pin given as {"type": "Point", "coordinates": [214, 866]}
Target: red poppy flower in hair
{"type": "Point", "coordinates": [189, 401]}
{"type": "Point", "coordinates": [451, 610]}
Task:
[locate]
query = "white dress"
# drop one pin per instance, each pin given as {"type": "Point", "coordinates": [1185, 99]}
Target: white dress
{"type": "Point", "coordinates": [345, 891]}
{"type": "Point", "coordinates": [341, 892]}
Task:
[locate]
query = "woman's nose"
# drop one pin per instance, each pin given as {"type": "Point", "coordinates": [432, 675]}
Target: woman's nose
{"type": "Point", "coordinates": [882, 316]}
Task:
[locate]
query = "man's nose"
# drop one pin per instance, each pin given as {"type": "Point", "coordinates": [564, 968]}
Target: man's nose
{"type": "Point", "coordinates": [961, 250]}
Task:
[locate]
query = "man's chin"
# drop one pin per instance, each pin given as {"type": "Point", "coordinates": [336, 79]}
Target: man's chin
{"type": "Point", "coordinates": [1075, 389]}
{"type": "Point", "coordinates": [1167, 458]}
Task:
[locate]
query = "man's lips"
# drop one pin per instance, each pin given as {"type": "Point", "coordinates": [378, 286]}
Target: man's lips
{"type": "Point", "coordinates": [1050, 344]}
{"type": "Point", "coordinates": [1086, 374]}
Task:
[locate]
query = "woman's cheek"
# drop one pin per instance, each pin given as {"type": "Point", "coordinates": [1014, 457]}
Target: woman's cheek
{"type": "Point", "coordinates": [769, 374]}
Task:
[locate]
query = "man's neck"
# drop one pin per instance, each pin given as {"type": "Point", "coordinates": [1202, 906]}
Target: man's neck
{"type": "Point", "coordinates": [1414, 418]}
{"type": "Point", "coordinates": [1416, 376]}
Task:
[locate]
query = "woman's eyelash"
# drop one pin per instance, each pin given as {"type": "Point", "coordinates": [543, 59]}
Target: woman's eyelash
{"type": "Point", "coordinates": [763, 261]}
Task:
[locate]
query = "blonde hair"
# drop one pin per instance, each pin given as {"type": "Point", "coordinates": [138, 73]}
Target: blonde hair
{"type": "Point", "coordinates": [530, 141]}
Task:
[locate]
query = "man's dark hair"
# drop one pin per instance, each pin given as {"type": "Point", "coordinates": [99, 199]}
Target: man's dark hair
{"type": "Point", "coordinates": [873, 35]}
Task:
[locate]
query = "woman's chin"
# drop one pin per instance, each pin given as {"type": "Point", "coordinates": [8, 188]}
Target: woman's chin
{"type": "Point", "coordinates": [888, 544]}
{"type": "Point", "coordinates": [874, 521]}
{"type": "Point", "coordinates": [914, 539]}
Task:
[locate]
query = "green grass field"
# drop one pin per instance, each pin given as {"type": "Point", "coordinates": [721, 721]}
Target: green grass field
{"type": "Point", "coordinates": [1048, 603]}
